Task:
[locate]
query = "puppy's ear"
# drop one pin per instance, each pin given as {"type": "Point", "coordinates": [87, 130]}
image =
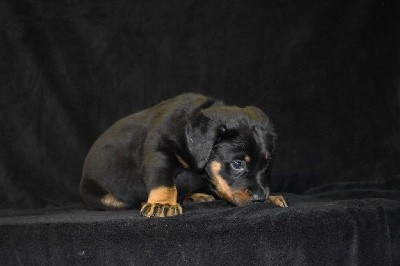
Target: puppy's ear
{"type": "Point", "coordinates": [201, 134]}
{"type": "Point", "coordinates": [264, 124]}
{"type": "Point", "coordinates": [257, 115]}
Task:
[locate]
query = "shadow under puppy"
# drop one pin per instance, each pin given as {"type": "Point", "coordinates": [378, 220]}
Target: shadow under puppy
{"type": "Point", "coordinates": [181, 148]}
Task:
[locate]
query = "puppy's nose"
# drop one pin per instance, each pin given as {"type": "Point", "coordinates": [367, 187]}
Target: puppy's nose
{"type": "Point", "coordinates": [258, 197]}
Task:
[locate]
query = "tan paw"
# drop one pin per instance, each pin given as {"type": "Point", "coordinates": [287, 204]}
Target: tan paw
{"type": "Point", "coordinates": [160, 210]}
{"type": "Point", "coordinates": [277, 200]}
{"type": "Point", "coordinates": [198, 197]}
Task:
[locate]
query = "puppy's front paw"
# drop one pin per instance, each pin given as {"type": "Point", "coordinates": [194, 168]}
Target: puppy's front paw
{"type": "Point", "coordinates": [160, 210]}
{"type": "Point", "coordinates": [198, 197]}
{"type": "Point", "coordinates": [277, 200]}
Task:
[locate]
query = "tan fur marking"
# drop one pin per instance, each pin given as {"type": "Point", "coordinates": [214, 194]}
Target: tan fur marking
{"type": "Point", "coordinates": [182, 162]}
{"type": "Point", "coordinates": [242, 196]}
{"type": "Point", "coordinates": [223, 189]}
{"type": "Point", "coordinates": [110, 201]}
{"type": "Point", "coordinates": [277, 200]}
{"type": "Point", "coordinates": [247, 158]}
{"type": "Point", "coordinates": [163, 195]}
{"type": "Point", "coordinates": [198, 197]}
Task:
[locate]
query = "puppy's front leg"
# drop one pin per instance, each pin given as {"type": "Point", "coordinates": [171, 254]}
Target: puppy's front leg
{"type": "Point", "coordinates": [162, 197]}
{"type": "Point", "coordinates": [162, 203]}
{"type": "Point", "coordinates": [277, 200]}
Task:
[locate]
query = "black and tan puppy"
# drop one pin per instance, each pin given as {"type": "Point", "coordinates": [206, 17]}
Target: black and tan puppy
{"type": "Point", "coordinates": [175, 149]}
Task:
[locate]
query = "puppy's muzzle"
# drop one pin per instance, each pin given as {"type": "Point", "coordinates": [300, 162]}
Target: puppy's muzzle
{"type": "Point", "coordinates": [258, 196]}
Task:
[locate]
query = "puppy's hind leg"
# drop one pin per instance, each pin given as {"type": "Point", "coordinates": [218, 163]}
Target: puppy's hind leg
{"type": "Point", "coordinates": [96, 198]}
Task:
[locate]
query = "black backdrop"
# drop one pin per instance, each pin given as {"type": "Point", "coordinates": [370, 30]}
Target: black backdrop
{"type": "Point", "coordinates": [326, 72]}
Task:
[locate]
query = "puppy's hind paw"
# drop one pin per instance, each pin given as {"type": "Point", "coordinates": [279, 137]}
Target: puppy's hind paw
{"type": "Point", "coordinates": [277, 200]}
{"type": "Point", "coordinates": [160, 210]}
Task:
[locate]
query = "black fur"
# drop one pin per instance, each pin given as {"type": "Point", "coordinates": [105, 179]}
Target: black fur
{"type": "Point", "coordinates": [140, 152]}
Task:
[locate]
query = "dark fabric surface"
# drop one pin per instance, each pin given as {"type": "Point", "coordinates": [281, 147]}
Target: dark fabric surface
{"type": "Point", "coordinates": [339, 227]}
{"type": "Point", "coordinates": [326, 72]}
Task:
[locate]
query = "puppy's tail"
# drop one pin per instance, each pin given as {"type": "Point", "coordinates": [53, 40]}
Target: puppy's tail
{"type": "Point", "coordinates": [96, 197]}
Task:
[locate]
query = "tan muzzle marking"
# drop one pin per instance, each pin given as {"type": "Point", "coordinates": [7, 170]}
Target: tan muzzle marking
{"type": "Point", "coordinates": [223, 189]}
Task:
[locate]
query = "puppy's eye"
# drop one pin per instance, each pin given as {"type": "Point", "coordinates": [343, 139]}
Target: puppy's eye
{"type": "Point", "coordinates": [237, 165]}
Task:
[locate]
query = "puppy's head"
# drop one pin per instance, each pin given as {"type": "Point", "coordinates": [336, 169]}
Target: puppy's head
{"type": "Point", "coordinates": [234, 145]}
